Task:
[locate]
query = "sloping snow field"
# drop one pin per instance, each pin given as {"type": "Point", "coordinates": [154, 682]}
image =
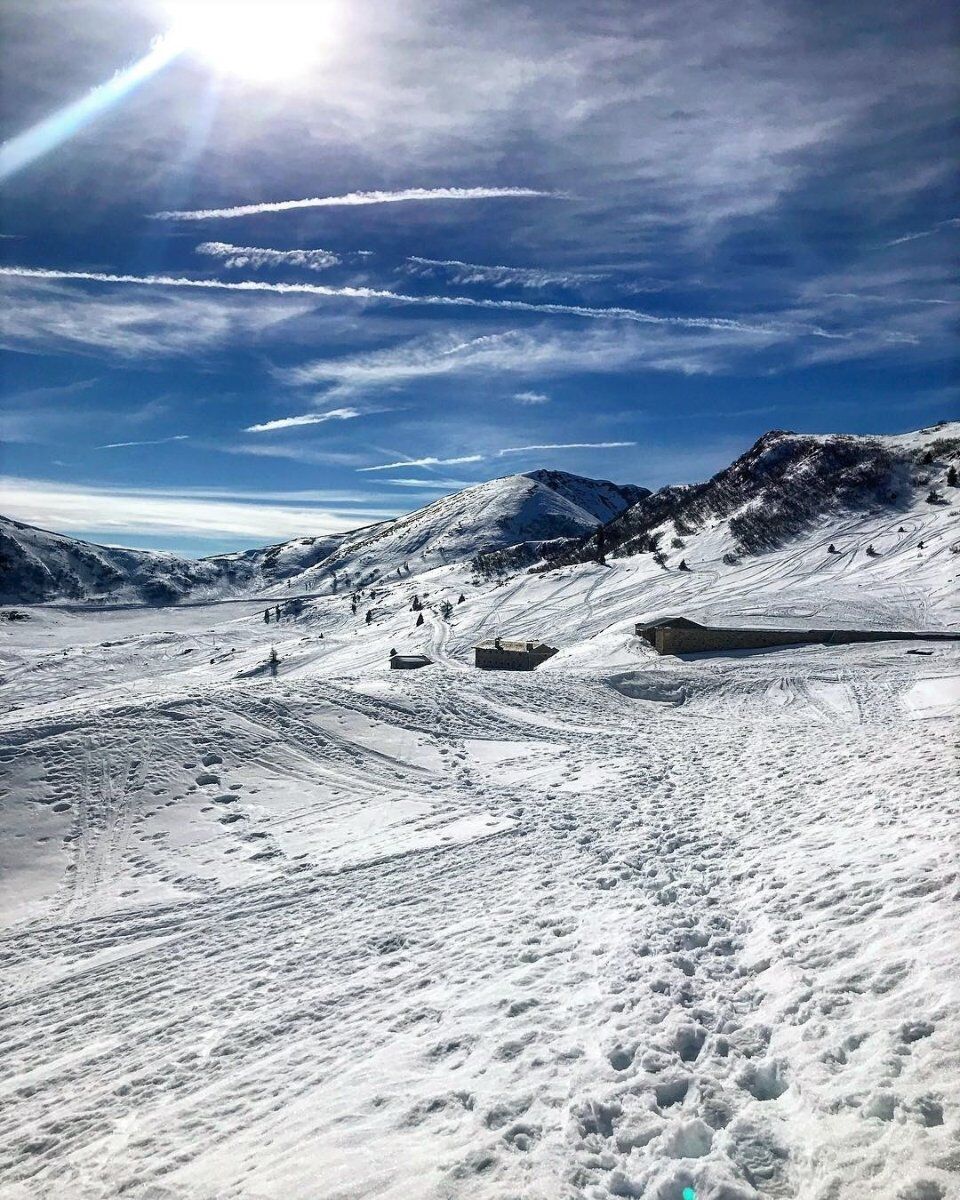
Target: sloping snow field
{"type": "Point", "coordinates": [625, 926]}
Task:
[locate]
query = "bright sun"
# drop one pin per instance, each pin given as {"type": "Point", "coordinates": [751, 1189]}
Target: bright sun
{"type": "Point", "coordinates": [259, 40]}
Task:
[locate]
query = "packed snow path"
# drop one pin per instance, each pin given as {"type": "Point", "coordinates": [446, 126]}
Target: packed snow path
{"type": "Point", "coordinates": [455, 934]}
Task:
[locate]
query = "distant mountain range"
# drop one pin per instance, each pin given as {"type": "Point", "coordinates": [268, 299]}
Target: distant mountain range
{"type": "Point", "coordinates": [783, 485]}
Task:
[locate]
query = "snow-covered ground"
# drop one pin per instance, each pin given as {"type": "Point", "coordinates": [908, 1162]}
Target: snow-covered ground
{"type": "Point", "coordinates": [620, 927]}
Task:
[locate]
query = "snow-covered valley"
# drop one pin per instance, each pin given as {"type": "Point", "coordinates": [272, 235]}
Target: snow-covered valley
{"type": "Point", "coordinates": [627, 925]}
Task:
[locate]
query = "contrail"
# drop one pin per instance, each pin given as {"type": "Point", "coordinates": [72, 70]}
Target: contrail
{"type": "Point", "coordinates": [721, 324]}
{"type": "Point", "coordinates": [354, 198]}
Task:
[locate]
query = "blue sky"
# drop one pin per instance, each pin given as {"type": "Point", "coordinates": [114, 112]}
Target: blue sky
{"type": "Point", "coordinates": [618, 239]}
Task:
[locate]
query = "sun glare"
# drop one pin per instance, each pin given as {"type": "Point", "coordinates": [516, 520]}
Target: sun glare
{"type": "Point", "coordinates": [259, 40]}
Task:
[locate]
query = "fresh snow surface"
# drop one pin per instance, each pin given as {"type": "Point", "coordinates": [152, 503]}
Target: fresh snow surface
{"type": "Point", "coordinates": [623, 926]}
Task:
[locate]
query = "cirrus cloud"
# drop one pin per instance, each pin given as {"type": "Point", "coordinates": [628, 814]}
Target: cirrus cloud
{"type": "Point", "coordinates": [353, 199]}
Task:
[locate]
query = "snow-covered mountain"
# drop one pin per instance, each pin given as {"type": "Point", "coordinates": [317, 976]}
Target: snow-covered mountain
{"type": "Point", "coordinates": [524, 510]}
{"type": "Point", "coordinates": [783, 486]}
{"type": "Point", "coordinates": [36, 565]}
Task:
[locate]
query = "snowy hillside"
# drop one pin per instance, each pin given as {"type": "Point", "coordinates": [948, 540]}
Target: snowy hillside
{"type": "Point", "coordinates": [788, 490]}
{"type": "Point", "coordinates": [36, 565]}
{"type": "Point", "coordinates": [517, 509]}
{"type": "Point", "coordinates": [782, 487]}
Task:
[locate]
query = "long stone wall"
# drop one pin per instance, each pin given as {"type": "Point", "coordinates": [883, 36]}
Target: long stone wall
{"type": "Point", "coordinates": [671, 640]}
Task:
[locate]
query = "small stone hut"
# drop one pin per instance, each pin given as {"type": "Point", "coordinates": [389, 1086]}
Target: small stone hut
{"type": "Point", "coordinates": [503, 655]}
{"type": "Point", "coordinates": [680, 635]}
{"type": "Point", "coordinates": [408, 662]}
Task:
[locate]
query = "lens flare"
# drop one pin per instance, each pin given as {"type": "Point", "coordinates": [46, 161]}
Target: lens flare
{"type": "Point", "coordinates": [46, 135]}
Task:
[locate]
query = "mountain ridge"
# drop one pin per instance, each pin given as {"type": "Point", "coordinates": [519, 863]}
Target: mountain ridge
{"type": "Point", "coordinates": [38, 565]}
{"type": "Point", "coordinates": [542, 520]}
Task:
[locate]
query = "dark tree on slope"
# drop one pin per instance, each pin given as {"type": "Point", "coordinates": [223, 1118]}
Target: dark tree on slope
{"type": "Point", "coordinates": [952, 480]}
{"type": "Point", "coordinates": [420, 619]}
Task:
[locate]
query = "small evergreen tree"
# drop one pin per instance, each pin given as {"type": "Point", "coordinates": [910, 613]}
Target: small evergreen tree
{"type": "Point", "coordinates": [420, 619]}
{"type": "Point", "coordinates": [266, 616]}
{"type": "Point", "coordinates": [952, 480]}
{"type": "Point", "coordinates": [683, 565]}
{"type": "Point", "coordinates": [462, 598]}
{"type": "Point", "coordinates": [369, 615]}
{"type": "Point", "coordinates": [416, 605]}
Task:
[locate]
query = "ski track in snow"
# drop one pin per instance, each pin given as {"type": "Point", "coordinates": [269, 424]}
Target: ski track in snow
{"type": "Point", "coordinates": [620, 927]}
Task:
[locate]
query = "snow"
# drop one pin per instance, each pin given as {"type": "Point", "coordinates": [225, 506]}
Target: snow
{"type": "Point", "coordinates": [621, 926]}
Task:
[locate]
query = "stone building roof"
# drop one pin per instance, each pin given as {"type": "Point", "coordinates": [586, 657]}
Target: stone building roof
{"type": "Point", "coordinates": [515, 647]}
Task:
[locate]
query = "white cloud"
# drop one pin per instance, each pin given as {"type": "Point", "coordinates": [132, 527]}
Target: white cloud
{"type": "Point", "coordinates": [952, 223]}
{"type": "Point", "coordinates": [774, 330]}
{"type": "Point", "coordinates": [38, 314]}
{"type": "Point", "coordinates": [260, 256]}
{"type": "Point", "coordinates": [563, 446]}
{"type": "Point", "coordinates": [531, 397]}
{"type": "Point", "coordinates": [80, 508]}
{"type": "Point", "coordinates": [430, 484]}
{"type": "Point", "coordinates": [532, 353]}
{"type": "Point", "coordinates": [473, 458]}
{"type": "Point", "coordinates": [177, 437]}
{"type": "Point", "coordinates": [294, 451]}
{"type": "Point", "coordinates": [333, 414]}
{"type": "Point", "coordinates": [426, 462]}
{"type": "Point", "coordinates": [352, 199]}
{"type": "Point", "coordinates": [463, 273]}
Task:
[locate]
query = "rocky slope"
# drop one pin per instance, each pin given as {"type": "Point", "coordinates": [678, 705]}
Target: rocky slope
{"type": "Point", "coordinates": [783, 486]}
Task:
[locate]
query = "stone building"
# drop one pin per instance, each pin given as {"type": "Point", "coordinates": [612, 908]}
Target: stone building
{"type": "Point", "coordinates": [408, 662]}
{"type": "Point", "coordinates": [680, 635]}
{"type": "Point", "coordinates": [502, 655]}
